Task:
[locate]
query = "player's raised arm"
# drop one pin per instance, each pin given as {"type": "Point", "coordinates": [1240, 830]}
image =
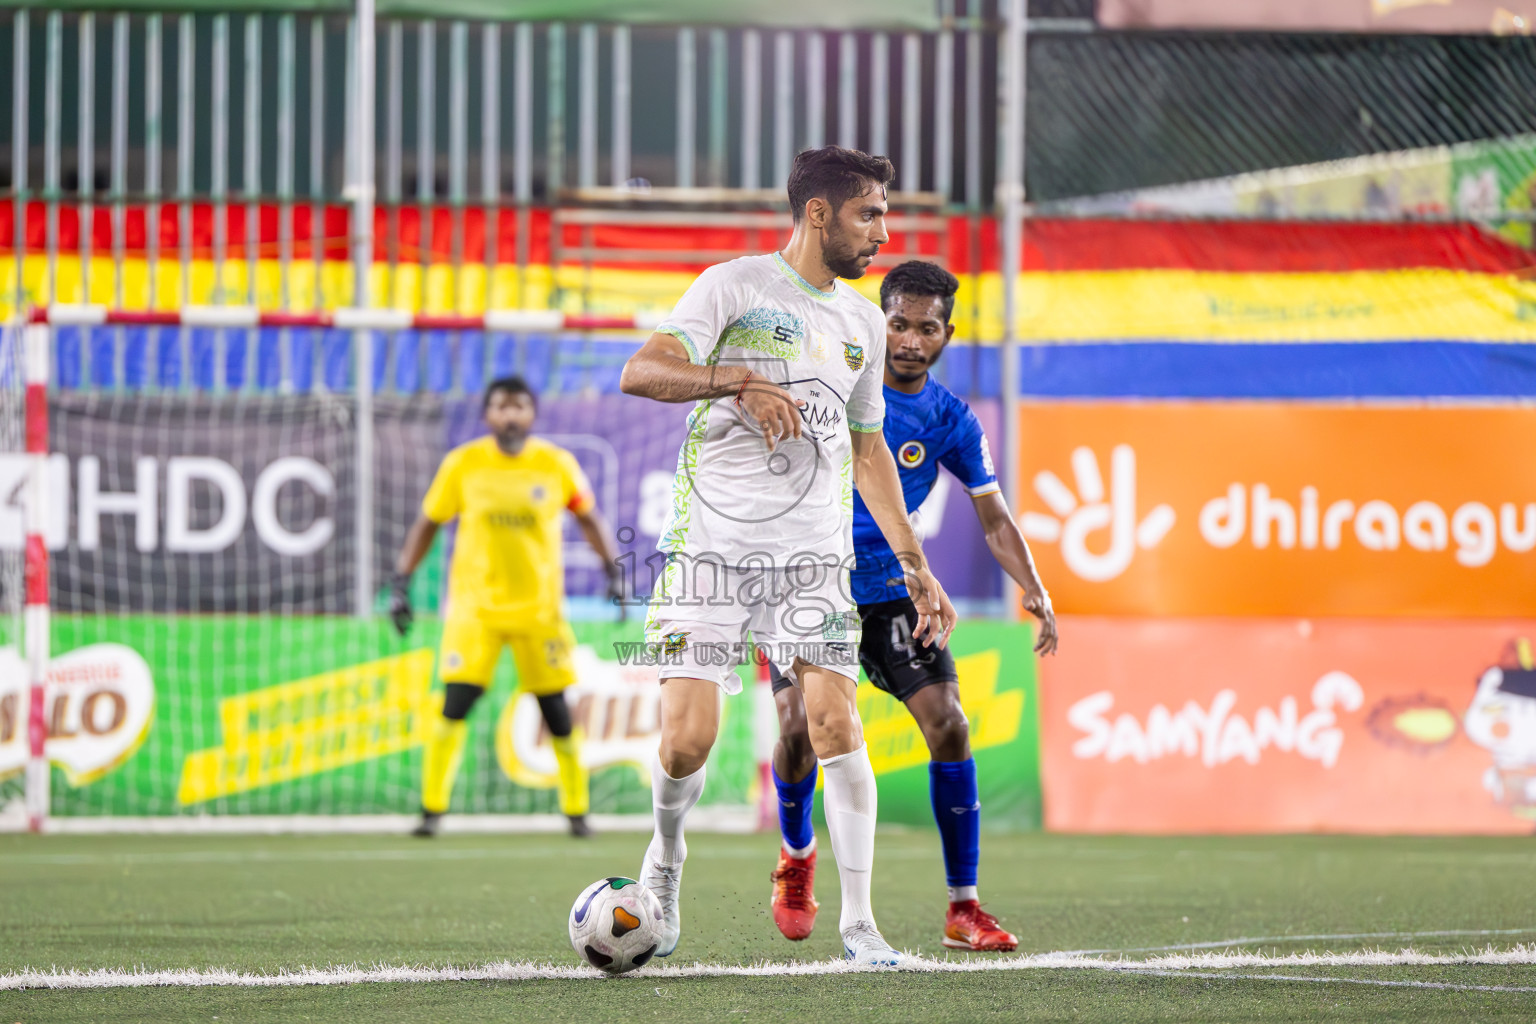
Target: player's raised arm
{"type": "Point", "coordinates": [874, 473]}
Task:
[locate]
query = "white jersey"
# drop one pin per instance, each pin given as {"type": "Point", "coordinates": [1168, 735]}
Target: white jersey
{"type": "Point", "coordinates": [733, 501]}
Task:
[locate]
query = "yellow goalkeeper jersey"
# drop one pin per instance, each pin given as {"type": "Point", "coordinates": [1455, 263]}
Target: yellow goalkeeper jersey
{"type": "Point", "coordinates": [507, 567]}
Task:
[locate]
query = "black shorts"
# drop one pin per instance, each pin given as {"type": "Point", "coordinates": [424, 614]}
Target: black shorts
{"type": "Point", "coordinates": [893, 660]}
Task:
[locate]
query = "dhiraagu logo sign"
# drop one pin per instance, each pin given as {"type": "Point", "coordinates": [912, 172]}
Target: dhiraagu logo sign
{"type": "Point", "coordinates": [1089, 509]}
{"type": "Point", "coordinates": [1274, 508]}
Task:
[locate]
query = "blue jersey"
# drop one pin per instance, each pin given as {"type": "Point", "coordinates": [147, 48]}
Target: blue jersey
{"type": "Point", "coordinates": [927, 430]}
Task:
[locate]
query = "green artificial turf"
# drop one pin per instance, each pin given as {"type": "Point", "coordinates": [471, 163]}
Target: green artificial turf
{"type": "Point", "coordinates": [262, 904]}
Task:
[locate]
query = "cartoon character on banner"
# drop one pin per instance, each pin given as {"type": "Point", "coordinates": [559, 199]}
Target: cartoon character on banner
{"type": "Point", "coordinates": [1502, 719]}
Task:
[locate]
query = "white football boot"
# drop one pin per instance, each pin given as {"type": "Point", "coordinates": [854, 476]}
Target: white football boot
{"type": "Point", "coordinates": [864, 945]}
{"type": "Point", "coordinates": [665, 880]}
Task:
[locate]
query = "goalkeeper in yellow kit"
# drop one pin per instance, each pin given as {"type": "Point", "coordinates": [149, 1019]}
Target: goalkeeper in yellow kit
{"type": "Point", "coordinates": [505, 586]}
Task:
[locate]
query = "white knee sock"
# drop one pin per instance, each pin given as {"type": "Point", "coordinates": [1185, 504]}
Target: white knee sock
{"type": "Point", "coordinates": [671, 800]}
{"type": "Point", "coordinates": [850, 805]}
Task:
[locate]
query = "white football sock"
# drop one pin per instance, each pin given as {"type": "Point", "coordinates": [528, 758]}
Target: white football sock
{"type": "Point", "coordinates": [671, 800]}
{"type": "Point", "coordinates": [801, 853]}
{"type": "Point", "coordinates": [962, 893]}
{"type": "Point", "coordinates": [850, 805]}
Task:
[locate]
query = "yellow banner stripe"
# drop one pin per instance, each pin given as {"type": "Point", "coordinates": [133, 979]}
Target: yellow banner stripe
{"type": "Point", "coordinates": [1054, 306]}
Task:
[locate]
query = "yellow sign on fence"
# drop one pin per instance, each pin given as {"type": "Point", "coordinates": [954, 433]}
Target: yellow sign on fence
{"type": "Point", "coordinates": [307, 726]}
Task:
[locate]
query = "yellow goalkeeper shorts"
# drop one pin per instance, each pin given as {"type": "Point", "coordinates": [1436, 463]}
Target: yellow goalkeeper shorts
{"type": "Point", "coordinates": [470, 649]}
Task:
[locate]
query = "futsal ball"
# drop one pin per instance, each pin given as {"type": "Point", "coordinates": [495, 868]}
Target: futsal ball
{"type": "Point", "coordinates": [615, 924]}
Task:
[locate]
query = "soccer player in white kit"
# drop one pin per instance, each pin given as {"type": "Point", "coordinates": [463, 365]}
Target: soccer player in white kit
{"type": "Point", "coordinates": [785, 365]}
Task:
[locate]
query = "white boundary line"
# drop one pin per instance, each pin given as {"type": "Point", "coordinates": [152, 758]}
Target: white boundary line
{"type": "Point", "coordinates": [425, 852]}
{"type": "Point", "coordinates": [1379, 982]}
{"type": "Point", "coordinates": [711, 819]}
{"type": "Point", "coordinates": [1197, 965]}
{"type": "Point", "coordinates": [1267, 940]}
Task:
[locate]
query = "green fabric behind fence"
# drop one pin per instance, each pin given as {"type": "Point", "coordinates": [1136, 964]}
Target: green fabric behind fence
{"type": "Point", "coordinates": [282, 715]}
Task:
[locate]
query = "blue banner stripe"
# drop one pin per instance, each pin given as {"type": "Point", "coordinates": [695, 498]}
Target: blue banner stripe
{"type": "Point", "coordinates": [1387, 369]}
{"type": "Point", "coordinates": [436, 361]}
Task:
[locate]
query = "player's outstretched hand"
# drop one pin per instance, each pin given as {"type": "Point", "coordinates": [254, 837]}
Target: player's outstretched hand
{"type": "Point", "coordinates": [773, 409]}
{"type": "Point", "coordinates": [400, 603]}
{"type": "Point", "coordinates": [935, 615]}
{"type": "Point", "coordinates": [1038, 603]}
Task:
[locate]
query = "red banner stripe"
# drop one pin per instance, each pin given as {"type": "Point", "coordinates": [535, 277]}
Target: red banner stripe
{"type": "Point", "coordinates": [965, 244]}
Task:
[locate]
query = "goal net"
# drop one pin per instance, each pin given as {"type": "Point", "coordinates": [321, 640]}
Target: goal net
{"type": "Point", "coordinates": [13, 675]}
{"type": "Point", "coordinates": [220, 571]}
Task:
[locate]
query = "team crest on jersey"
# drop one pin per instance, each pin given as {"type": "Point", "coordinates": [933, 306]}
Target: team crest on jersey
{"type": "Point", "coordinates": [911, 454]}
{"type": "Point", "coordinates": [853, 355]}
{"type": "Point", "coordinates": [673, 643]}
{"type": "Point", "coordinates": [538, 492]}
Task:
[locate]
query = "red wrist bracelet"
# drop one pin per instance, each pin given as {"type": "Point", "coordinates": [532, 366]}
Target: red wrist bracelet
{"type": "Point", "coordinates": [742, 390]}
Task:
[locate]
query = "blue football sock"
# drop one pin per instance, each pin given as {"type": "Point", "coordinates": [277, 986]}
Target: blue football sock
{"type": "Point", "coordinates": [952, 788]}
{"type": "Point", "coordinates": [795, 802]}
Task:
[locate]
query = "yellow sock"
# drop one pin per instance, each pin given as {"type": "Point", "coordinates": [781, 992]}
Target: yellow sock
{"type": "Point", "coordinates": [440, 764]}
{"type": "Point", "coordinates": [575, 793]}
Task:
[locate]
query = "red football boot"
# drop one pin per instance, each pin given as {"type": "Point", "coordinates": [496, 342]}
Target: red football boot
{"type": "Point", "coordinates": [794, 905]}
{"type": "Point", "coordinates": [969, 927]}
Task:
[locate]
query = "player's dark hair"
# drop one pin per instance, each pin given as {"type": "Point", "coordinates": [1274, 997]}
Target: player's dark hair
{"type": "Point", "coordinates": [836, 175]}
{"type": "Point", "coordinates": [509, 385]}
{"type": "Point", "coordinates": [920, 278]}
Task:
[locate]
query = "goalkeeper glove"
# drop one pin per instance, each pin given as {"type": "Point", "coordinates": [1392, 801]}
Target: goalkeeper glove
{"type": "Point", "coordinates": [400, 602]}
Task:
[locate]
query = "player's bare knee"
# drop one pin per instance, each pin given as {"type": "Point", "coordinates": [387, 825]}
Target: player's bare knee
{"type": "Point", "coordinates": [793, 756]}
{"type": "Point", "coordinates": [685, 746]}
{"type": "Point", "coordinates": [833, 730]}
{"type": "Point", "coordinates": [682, 757]}
{"type": "Point", "coordinates": [947, 732]}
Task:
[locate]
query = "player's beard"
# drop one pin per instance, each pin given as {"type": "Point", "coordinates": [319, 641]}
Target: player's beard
{"type": "Point", "coordinates": [510, 439]}
{"type": "Point", "coordinates": [842, 258]}
{"type": "Point", "coordinates": [906, 375]}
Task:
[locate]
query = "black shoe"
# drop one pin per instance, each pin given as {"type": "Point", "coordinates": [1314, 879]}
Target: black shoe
{"type": "Point", "coordinates": [430, 823]}
{"type": "Point", "coordinates": [579, 827]}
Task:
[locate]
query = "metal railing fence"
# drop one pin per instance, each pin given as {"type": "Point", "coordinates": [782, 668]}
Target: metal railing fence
{"type": "Point", "coordinates": [128, 115]}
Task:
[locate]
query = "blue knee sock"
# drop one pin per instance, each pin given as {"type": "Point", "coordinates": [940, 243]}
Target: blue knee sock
{"type": "Point", "coordinates": [952, 788]}
{"type": "Point", "coordinates": [795, 801]}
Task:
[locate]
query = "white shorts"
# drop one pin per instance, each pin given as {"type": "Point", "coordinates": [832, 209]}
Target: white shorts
{"type": "Point", "coordinates": [702, 613]}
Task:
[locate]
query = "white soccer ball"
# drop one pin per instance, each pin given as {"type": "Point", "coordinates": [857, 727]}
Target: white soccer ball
{"type": "Point", "coordinates": [615, 924]}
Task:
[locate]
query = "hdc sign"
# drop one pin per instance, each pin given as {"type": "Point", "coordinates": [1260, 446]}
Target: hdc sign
{"type": "Point", "coordinates": [182, 532]}
{"type": "Point", "coordinates": [1183, 508]}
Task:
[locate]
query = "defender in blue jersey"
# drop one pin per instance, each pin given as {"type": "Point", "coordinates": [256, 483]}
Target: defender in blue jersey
{"type": "Point", "coordinates": [926, 427]}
